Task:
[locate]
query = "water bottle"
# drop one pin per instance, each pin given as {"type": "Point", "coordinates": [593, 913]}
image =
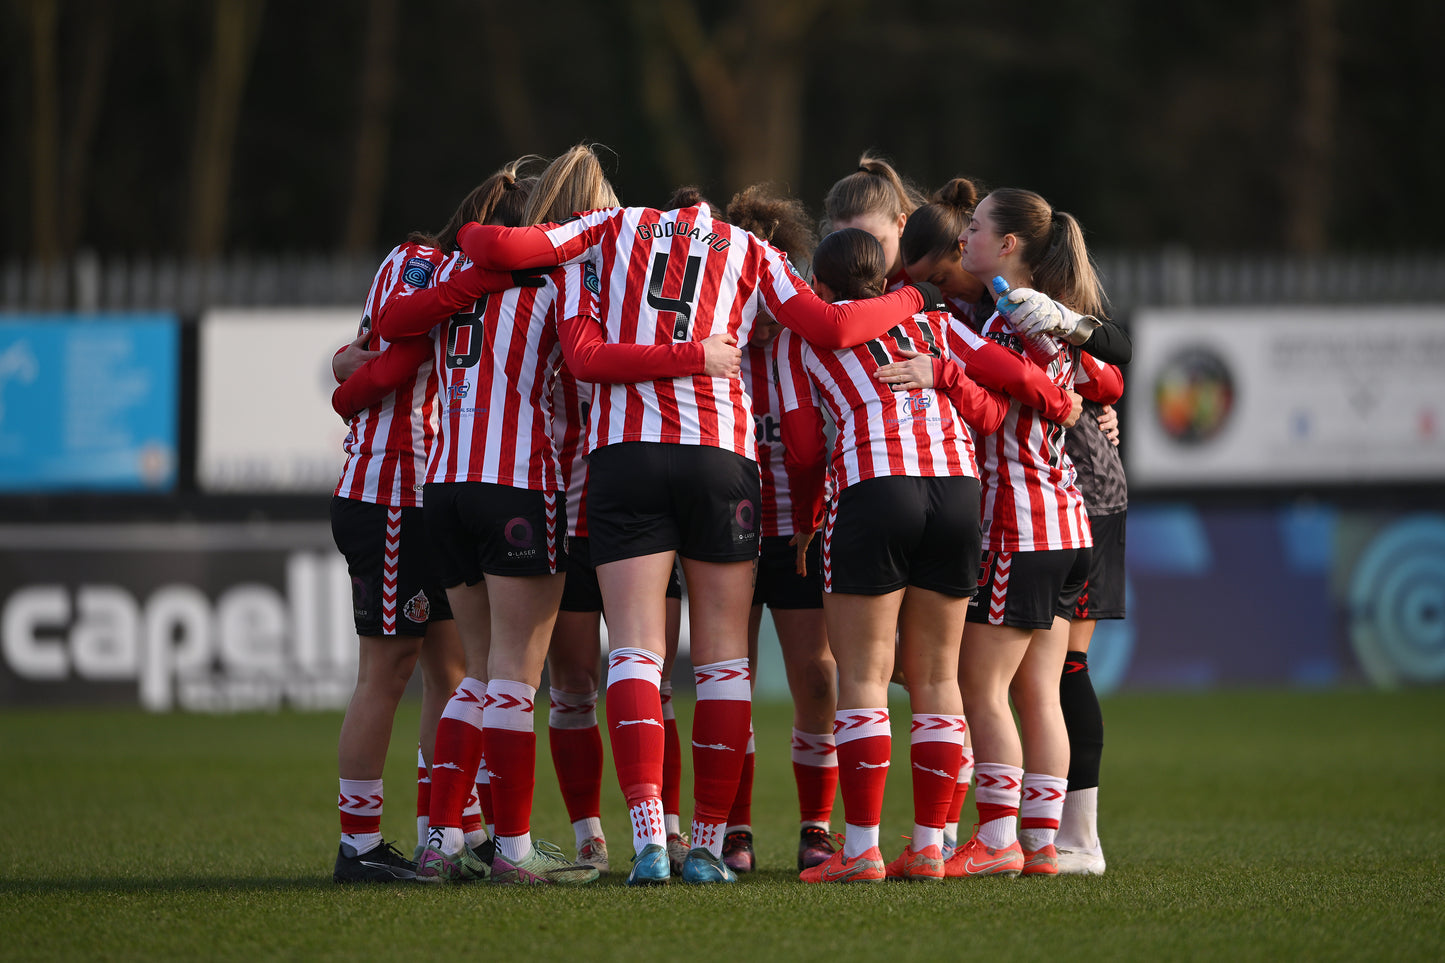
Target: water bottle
{"type": "Point", "coordinates": [1040, 347]}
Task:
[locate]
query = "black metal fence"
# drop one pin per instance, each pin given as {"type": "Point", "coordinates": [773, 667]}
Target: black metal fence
{"type": "Point", "coordinates": [1170, 276]}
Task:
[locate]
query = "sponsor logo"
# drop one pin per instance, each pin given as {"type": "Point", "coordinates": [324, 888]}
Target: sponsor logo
{"type": "Point", "coordinates": [767, 430]}
{"type": "Point", "coordinates": [917, 405]}
{"type": "Point", "coordinates": [519, 533]}
{"type": "Point", "coordinates": [360, 597]}
{"type": "Point", "coordinates": [417, 272]}
{"type": "Point", "coordinates": [745, 516]}
{"type": "Point", "coordinates": [456, 393]}
{"type": "Point", "coordinates": [224, 643]}
{"type": "Point", "coordinates": [590, 280]}
{"type": "Point", "coordinates": [1194, 396]}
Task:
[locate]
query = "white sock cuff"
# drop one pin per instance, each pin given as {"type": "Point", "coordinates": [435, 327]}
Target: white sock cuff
{"type": "Point", "coordinates": [932, 727]}
{"type": "Point", "coordinates": [998, 783]}
{"type": "Point", "coordinates": [360, 797]}
{"type": "Point", "coordinates": [812, 749]}
{"type": "Point", "coordinates": [630, 663]}
{"type": "Point", "coordinates": [851, 724]}
{"type": "Point", "coordinates": [510, 705]}
{"type": "Point", "coordinates": [572, 710]}
{"type": "Point", "coordinates": [466, 702]}
{"type": "Point", "coordinates": [1042, 795]}
{"type": "Point", "coordinates": [727, 680]}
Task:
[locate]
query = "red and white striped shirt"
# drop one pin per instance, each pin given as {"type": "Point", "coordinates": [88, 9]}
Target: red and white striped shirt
{"type": "Point", "coordinates": [671, 276]}
{"type": "Point", "coordinates": [880, 431]}
{"type": "Point", "coordinates": [761, 381]}
{"type": "Point", "coordinates": [1030, 502]}
{"type": "Point", "coordinates": [497, 363]}
{"type": "Point", "coordinates": [386, 449]}
{"type": "Point", "coordinates": [571, 403]}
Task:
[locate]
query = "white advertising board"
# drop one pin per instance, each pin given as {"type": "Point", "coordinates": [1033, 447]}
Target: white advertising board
{"type": "Point", "coordinates": [265, 421]}
{"type": "Point", "coordinates": [1296, 395]}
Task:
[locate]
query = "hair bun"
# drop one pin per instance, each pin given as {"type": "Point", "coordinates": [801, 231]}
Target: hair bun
{"type": "Point", "coordinates": [959, 193]}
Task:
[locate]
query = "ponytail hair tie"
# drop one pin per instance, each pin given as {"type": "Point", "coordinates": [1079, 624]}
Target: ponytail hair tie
{"type": "Point", "coordinates": [863, 170]}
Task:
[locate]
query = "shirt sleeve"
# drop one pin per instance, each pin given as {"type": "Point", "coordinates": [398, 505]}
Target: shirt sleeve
{"type": "Point", "coordinates": [994, 366]}
{"type": "Point", "coordinates": [805, 447]}
{"type": "Point", "coordinates": [374, 381]}
{"type": "Point", "coordinates": [543, 245]}
{"type": "Point", "coordinates": [591, 358]}
{"type": "Point", "coordinates": [1098, 381]}
{"type": "Point", "coordinates": [792, 302]}
{"type": "Point", "coordinates": [411, 310]}
{"type": "Point", "coordinates": [1110, 343]}
{"type": "Point", "coordinates": [984, 409]}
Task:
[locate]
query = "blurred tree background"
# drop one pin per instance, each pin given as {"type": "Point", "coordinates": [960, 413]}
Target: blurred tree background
{"type": "Point", "coordinates": [215, 127]}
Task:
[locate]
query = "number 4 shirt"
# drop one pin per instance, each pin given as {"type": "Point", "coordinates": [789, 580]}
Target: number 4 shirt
{"type": "Point", "coordinates": [666, 277]}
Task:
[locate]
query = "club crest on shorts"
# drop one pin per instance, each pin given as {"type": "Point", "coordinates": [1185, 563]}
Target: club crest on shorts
{"type": "Point", "coordinates": [417, 608]}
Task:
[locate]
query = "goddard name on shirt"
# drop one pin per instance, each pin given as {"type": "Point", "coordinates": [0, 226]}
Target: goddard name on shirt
{"type": "Point", "coordinates": [686, 229]}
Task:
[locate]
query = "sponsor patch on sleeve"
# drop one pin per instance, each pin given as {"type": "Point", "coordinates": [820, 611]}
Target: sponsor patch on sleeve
{"type": "Point", "coordinates": [590, 278]}
{"type": "Point", "coordinates": [417, 272]}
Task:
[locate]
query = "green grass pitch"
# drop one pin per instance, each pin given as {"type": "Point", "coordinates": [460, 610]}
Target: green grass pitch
{"type": "Point", "coordinates": [1240, 826]}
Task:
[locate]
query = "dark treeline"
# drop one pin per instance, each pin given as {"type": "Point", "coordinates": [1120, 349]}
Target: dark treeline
{"type": "Point", "coordinates": [210, 127]}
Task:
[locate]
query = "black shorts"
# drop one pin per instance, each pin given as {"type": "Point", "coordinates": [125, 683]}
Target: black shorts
{"type": "Point", "coordinates": [481, 529]}
{"type": "Point", "coordinates": [884, 533]}
{"type": "Point", "coordinates": [582, 593]}
{"type": "Point", "coordinates": [647, 497]}
{"type": "Point", "coordinates": [778, 585]}
{"type": "Point", "coordinates": [1027, 589]}
{"type": "Point", "coordinates": [1103, 594]}
{"type": "Point", "coordinates": [378, 542]}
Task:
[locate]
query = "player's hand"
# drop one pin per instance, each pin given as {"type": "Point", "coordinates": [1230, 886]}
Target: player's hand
{"type": "Point", "coordinates": [724, 359]}
{"type": "Point", "coordinates": [345, 362]}
{"type": "Point", "coordinates": [1033, 312]}
{"type": "Point", "coordinates": [911, 374]}
{"type": "Point", "coordinates": [800, 543]}
{"type": "Point", "coordinates": [1109, 424]}
{"type": "Point", "coordinates": [1076, 408]}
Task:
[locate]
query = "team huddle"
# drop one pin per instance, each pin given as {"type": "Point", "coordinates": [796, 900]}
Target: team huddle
{"type": "Point", "coordinates": [563, 410]}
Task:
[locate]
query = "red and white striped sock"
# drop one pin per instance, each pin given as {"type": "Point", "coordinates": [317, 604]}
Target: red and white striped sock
{"type": "Point", "coordinates": [423, 796]}
{"type": "Point", "coordinates": [719, 744]}
{"type": "Point", "coordinates": [576, 752]}
{"type": "Point", "coordinates": [815, 770]}
{"type": "Point", "coordinates": [512, 752]}
{"type": "Point", "coordinates": [360, 805]}
{"type": "Point", "coordinates": [935, 747]}
{"type": "Point", "coordinates": [740, 817]}
{"type": "Point", "coordinates": [960, 792]}
{"type": "Point", "coordinates": [454, 763]}
{"type": "Point", "coordinates": [997, 797]}
{"type": "Point", "coordinates": [1040, 809]}
{"type": "Point", "coordinates": [865, 741]}
{"type": "Point", "coordinates": [634, 725]}
{"type": "Point", "coordinates": [671, 762]}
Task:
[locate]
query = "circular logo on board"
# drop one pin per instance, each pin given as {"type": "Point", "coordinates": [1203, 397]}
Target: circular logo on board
{"type": "Point", "coordinates": [1193, 395]}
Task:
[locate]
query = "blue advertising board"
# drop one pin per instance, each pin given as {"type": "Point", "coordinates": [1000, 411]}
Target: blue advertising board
{"type": "Point", "coordinates": [88, 402]}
